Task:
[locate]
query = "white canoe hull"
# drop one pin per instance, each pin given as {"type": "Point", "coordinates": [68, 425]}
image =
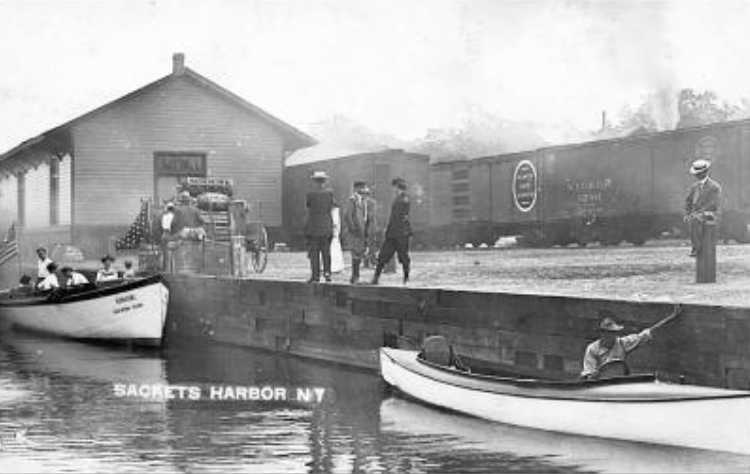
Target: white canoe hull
{"type": "Point", "coordinates": [133, 312]}
{"type": "Point", "coordinates": [678, 415]}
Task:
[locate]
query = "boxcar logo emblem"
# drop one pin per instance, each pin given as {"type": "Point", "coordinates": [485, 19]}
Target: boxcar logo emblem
{"type": "Point", "coordinates": [707, 148]}
{"type": "Point", "coordinates": [524, 186]}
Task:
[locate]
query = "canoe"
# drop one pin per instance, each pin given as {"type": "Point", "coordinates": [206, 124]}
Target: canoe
{"type": "Point", "coordinates": [559, 452]}
{"type": "Point", "coordinates": [635, 408]}
{"type": "Point", "coordinates": [132, 311]}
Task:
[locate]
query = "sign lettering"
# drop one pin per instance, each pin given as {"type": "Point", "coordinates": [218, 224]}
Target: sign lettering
{"type": "Point", "coordinates": [525, 186]}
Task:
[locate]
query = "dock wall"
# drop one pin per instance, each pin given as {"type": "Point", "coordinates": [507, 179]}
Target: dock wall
{"type": "Point", "coordinates": [526, 334]}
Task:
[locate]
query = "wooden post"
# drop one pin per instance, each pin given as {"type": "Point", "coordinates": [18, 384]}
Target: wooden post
{"type": "Point", "coordinates": [705, 263]}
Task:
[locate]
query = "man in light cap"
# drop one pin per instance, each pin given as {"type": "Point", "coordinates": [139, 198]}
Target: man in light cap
{"type": "Point", "coordinates": [701, 203]}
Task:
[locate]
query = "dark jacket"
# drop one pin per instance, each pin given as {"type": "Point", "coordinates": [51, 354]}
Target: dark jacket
{"type": "Point", "coordinates": [705, 199]}
{"type": "Point", "coordinates": [355, 217]}
{"type": "Point", "coordinates": [320, 203]}
{"type": "Point", "coordinates": [399, 224]}
{"type": "Point", "coordinates": [186, 216]}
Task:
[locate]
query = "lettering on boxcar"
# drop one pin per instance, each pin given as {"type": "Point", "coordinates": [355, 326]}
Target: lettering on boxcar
{"type": "Point", "coordinates": [525, 186]}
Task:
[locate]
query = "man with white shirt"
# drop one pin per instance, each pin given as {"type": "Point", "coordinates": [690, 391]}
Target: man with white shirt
{"type": "Point", "coordinates": [42, 264]}
{"type": "Point", "coordinates": [702, 203]}
{"type": "Point", "coordinates": [50, 282]}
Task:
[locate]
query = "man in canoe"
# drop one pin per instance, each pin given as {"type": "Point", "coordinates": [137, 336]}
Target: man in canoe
{"type": "Point", "coordinates": [612, 347]}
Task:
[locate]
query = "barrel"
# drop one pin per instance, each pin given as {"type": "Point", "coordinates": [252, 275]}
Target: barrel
{"type": "Point", "coordinates": [188, 257]}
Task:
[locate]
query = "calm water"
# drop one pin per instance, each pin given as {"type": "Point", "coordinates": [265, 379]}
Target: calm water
{"type": "Point", "coordinates": [64, 406]}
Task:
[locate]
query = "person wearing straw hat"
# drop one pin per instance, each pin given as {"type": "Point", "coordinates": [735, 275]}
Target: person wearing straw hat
{"type": "Point", "coordinates": [106, 273]}
{"type": "Point", "coordinates": [320, 203]}
{"type": "Point", "coordinates": [612, 347]}
{"type": "Point", "coordinates": [702, 203]}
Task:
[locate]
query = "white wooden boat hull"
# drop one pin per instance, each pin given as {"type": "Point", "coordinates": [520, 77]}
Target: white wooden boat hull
{"type": "Point", "coordinates": [650, 412]}
{"type": "Point", "coordinates": [133, 312]}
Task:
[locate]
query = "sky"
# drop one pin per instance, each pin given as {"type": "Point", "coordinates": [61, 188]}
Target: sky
{"type": "Point", "coordinates": [398, 67]}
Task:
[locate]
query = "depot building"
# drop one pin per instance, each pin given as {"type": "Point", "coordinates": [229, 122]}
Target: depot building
{"type": "Point", "coordinates": [83, 182]}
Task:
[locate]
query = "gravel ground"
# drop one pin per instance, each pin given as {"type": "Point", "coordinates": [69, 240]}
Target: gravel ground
{"type": "Point", "coordinates": [660, 271]}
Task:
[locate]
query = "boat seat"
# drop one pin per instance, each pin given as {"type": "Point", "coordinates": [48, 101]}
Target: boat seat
{"type": "Point", "coordinates": [435, 349]}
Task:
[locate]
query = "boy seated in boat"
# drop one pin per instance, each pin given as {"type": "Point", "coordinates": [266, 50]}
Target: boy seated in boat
{"type": "Point", "coordinates": [73, 279]}
{"type": "Point", "coordinates": [612, 348]}
{"type": "Point", "coordinates": [50, 282]}
{"type": "Point", "coordinates": [129, 273]}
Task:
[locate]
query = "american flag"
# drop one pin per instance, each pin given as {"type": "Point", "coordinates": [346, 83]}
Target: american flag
{"type": "Point", "coordinates": [9, 245]}
{"type": "Point", "coordinates": [138, 232]}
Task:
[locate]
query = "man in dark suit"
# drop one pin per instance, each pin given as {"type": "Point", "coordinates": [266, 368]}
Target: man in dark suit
{"type": "Point", "coordinates": [319, 227]}
{"type": "Point", "coordinates": [701, 203]}
{"type": "Point", "coordinates": [355, 220]}
{"type": "Point", "coordinates": [397, 233]}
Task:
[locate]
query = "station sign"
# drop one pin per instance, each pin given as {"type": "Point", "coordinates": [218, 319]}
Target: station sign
{"type": "Point", "coordinates": [525, 186]}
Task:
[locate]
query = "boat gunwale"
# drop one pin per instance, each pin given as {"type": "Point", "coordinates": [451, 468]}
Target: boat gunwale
{"type": "Point", "coordinates": [539, 384]}
{"type": "Point", "coordinates": [44, 300]}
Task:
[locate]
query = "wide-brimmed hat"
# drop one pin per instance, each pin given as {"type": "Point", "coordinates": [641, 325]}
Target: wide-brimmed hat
{"type": "Point", "coordinates": [169, 205]}
{"type": "Point", "coordinates": [184, 197]}
{"type": "Point", "coordinates": [319, 175]}
{"type": "Point", "coordinates": [107, 258]}
{"type": "Point", "coordinates": [699, 166]}
{"type": "Point", "coordinates": [362, 185]}
{"type": "Point", "coordinates": [398, 182]}
{"type": "Point", "coordinates": [609, 325]}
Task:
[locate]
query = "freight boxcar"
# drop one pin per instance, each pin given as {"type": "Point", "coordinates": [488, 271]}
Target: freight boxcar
{"type": "Point", "coordinates": [628, 189]}
{"type": "Point", "coordinates": [377, 169]}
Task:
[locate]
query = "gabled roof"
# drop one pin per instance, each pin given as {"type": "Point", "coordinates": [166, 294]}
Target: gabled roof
{"type": "Point", "coordinates": [295, 138]}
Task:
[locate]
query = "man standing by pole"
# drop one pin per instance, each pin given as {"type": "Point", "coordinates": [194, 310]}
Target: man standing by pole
{"type": "Point", "coordinates": [397, 233]}
{"type": "Point", "coordinates": [701, 203]}
{"type": "Point", "coordinates": [319, 227]}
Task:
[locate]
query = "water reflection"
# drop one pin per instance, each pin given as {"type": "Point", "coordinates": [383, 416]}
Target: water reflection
{"type": "Point", "coordinates": [60, 397]}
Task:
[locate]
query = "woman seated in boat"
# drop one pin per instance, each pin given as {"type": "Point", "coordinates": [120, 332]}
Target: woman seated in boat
{"type": "Point", "coordinates": [107, 273]}
{"type": "Point", "coordinates": [613, 348]}
{"type": "Point", "coordinates": [73, 279]}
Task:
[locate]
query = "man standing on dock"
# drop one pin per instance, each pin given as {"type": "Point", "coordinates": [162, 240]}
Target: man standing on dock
{"type": "Point", "coordinates": [355, 219]}
{"type": "Point", "coordinates": [319, 227]}
{"type": "Point", "coordinates": [397, 234]}
{"type": "Point", "coordinates": [701, 203]}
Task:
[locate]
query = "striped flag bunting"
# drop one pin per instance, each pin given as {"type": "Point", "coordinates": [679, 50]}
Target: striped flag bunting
{"type": "Point", "coordinates": [9, 245]}
{"type": "Point", "coordinates": [138, 233]}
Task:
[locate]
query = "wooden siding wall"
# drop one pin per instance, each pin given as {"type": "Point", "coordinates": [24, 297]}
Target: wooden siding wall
{"type": "Point", "coordinates": [8, 201]}
{"type": "Point", "coordinates": [64, 198]}
{"type": "Point", "coordinates": [37, 197]}
{"type": "Point", "coordinates": [114, 151]}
